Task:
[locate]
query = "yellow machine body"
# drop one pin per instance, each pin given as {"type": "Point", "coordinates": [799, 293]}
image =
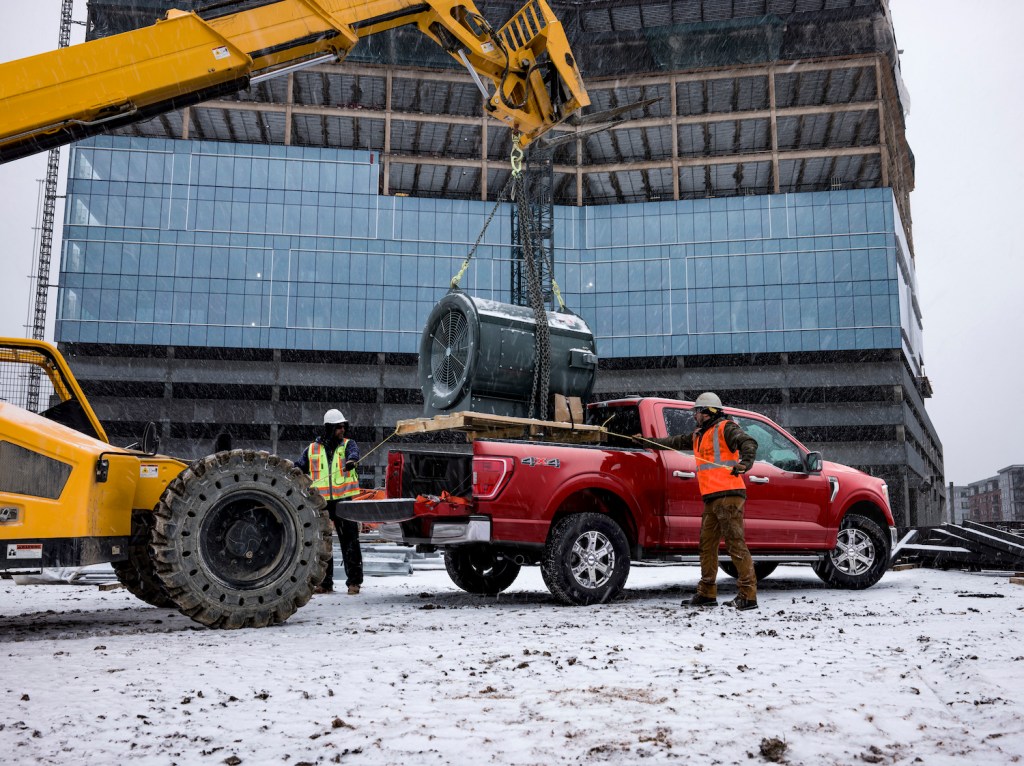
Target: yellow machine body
{"type": "Point", "coordinates": [66, 495]}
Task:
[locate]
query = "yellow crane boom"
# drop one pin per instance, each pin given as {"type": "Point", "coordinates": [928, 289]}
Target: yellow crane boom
{"type": "Point", "coordinates": [186, 58]}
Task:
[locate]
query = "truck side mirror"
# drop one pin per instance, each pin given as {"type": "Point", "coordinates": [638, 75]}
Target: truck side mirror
{"type": "Point", "coordinates": [813, 462]}
{"type": "Point", "coordinates": [150, 439]}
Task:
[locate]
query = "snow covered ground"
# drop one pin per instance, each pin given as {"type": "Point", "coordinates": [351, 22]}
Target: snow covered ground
{"type": "Point", "coordinates": [919, 669]}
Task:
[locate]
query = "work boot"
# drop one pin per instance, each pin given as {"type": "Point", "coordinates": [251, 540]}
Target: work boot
{"type": "Point", "coordinates": [353, 590]}
{"type": "Point", "coordinates": [698, 600]}
{"type": "Point", "coordinates": [742, 604]}
{"type": "Point", "coordinates": [320, 590]}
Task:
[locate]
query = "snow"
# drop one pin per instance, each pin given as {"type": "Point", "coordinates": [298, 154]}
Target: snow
{"type": "Point", "coordinates": [918, 669]}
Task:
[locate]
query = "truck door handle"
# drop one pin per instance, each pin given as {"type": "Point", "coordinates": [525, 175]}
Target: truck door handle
{"type": "Point", "coordinates": [758, 479]}
{"type": "Point", "coordinates": [684, 474]}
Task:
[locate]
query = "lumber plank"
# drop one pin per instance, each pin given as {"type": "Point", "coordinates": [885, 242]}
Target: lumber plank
{"type": "Point", "coordinates": [478, 425]}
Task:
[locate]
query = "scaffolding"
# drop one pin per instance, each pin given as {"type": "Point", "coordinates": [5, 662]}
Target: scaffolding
{"type": "Point", "coordinates": [42, 270]}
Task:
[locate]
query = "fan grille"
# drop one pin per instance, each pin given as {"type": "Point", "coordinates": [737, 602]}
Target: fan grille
{"type": "Point", "coordinates": [449, 351]}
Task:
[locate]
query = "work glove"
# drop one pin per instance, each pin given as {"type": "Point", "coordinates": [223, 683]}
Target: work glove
{"type": "Point", "coordinates": [350, 465]}
{"type": "Point", "coordinates": [739, 470]}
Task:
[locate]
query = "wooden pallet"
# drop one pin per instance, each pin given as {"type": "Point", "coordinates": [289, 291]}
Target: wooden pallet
{"type": "Point", "coordinates": [478, 425]}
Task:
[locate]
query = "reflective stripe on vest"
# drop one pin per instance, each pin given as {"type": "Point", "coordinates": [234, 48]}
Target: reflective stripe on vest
{"type": "Point", "coordinates": [715, 461]}
{"type": "Point", "coordinates": [331, 481]}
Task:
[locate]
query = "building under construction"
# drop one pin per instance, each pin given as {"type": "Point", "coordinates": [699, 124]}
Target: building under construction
{"type": "Point", "coordinates": [245, 264]}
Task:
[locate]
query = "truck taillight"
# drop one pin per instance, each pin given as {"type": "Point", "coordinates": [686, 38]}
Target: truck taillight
{"type": "Point", "coordinates": [393, 478]}
{"type": "Point", "coordinates": [490, 474]}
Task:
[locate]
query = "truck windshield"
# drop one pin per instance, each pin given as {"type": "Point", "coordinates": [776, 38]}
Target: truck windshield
{"type": "Point", "coordinates": [622, 421]}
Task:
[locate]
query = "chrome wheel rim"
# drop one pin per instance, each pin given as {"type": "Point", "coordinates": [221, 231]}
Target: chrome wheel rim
{"type": "Point", "coordinates": [592, 560]}
{"type": "Point", "coordinates": [854, 553]}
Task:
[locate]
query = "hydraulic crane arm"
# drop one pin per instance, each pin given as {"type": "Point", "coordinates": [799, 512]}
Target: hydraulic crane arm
{"type": "Point", "coordinates": [186, 58]}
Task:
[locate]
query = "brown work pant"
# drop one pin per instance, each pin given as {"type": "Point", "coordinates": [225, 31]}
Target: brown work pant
{"type": "Point", "coordinates": [723, 518]}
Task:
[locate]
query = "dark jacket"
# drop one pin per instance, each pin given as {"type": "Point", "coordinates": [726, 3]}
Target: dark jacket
{"type": "Point", "coordinates": [351, 453]}
{"type": "Point", "coordinates": [735, 438]}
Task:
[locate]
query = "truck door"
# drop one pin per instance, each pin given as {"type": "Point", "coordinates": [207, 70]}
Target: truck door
{"type": "Point", "coordinates": [683, 506]}
{"type": "Point", "coordinates": [786, 507]}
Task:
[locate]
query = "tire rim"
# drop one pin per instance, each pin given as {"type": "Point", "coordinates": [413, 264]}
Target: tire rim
{"type": "Point", "coordinates": [484, 564]}
{"type": "Point", "coordinates": [854, 553]}
{"type": "Point", "coordinates": [592, 560]}
{"type": "Point", "coordinates": [246, 540]}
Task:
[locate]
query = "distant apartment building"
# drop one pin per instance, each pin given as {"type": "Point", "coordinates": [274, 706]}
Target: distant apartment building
{"type": "Point", "coordinates": [1011, 492]}
{"type": "Point", "coordinates": [959, 504]}
{"type": "Point", "coordinates": [997, 498]}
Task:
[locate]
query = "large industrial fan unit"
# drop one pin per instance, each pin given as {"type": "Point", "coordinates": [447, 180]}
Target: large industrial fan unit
{"type": "Point", "coordinates": [479, 355]}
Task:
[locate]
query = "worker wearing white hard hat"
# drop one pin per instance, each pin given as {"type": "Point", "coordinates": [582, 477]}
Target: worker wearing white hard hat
{"type": "Point", "coordinates": [331, 462]}
{"type": "Point", "coordinates": [723, 452]}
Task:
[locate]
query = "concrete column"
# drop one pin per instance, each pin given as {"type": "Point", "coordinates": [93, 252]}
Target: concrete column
{"type": "Point", "coordinates": [483, 157]}
{"type": "Point", "coordinates": [675, 138]}
{"type": "Point", "coordinates": [579, 169]}
{"type": "Point", "coordinates": [386, 157]}
{"type": "Point", "coordinates": [275, 398]}
{"type": "Point", "coordinates": [165, 414]}
{"type": "Point", "coordinates": [289, 102]}
{"type": "Point", "coordinates": [883, 147]}
{"type": "Point", "coordinates": [774, 129]}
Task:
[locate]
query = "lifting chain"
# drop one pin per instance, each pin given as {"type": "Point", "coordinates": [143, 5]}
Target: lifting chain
{"type": "Point", "coordinates": [534, 290]}
{"type": "Point", "coordinates": [515, 190]}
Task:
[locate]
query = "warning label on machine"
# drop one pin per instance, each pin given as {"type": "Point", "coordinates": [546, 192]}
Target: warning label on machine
{"type": "Point", "coordinates": [25, 551]}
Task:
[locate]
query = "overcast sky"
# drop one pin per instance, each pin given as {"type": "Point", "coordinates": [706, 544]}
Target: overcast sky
{"type": "Point", "coordinates": [962, 65]}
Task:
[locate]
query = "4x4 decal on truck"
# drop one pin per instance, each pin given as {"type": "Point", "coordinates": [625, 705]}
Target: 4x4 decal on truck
{"type": "Point", "coordinates": [550, 462]}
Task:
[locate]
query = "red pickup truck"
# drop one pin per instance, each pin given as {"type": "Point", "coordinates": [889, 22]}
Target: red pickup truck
{"type": "Point", "coordinates": [584, 512]}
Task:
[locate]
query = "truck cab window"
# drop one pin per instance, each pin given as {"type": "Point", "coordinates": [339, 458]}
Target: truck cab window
{"type": "Point", "coordinates": [679, 421]}
{"type": "Point", "coordinates": [621, 422]}
{"type": "Point", "coordinates": [772, 446]}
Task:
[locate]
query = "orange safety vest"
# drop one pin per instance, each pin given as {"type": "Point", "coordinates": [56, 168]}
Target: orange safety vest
{"type": "Point", "coordinates": [331, 481]}
{"type": "Point", "coordinates": [715, 461]}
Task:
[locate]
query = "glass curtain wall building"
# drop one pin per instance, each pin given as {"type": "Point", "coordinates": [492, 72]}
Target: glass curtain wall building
{"type": "Point", "coordinates": [246, 264]}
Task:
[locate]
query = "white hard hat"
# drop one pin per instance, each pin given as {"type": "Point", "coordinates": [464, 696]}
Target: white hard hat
{"type": "Point", "coordinates": [708, 399]}
{"type": "Point", "coordinates": [334, 417]}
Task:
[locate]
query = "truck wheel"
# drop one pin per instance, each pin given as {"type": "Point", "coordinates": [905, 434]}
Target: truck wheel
{"type": "Point", "coordinates": [137, 574]}
{"type": "Point", "coordinates": [586, 559]}
{"type": "Point", "coordinates": [762, 569]}
{"type": "Point", "coordinates": [240, 540]}
{"type": "Point", "coordinates": [477, 569]}
{"type": "Point", "coordinates": [860, 557]}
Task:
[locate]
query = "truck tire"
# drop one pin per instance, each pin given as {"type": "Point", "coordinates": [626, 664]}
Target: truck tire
{"type": "Point", "coordinates": [240, 540]}
{"type": "Point", "coordinates": [860, 557]}
{"type": "Point", "coordinates": [586, 559]}
{"type": "Point", "coordinates": [138, 574]}
{"type": "Point", "coordinates": [477, 569]}
{"type": "Point", "coordinates": [762, 569]}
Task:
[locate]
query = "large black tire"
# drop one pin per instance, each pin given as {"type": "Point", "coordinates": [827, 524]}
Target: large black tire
{"type": "Point", "coordinates": [477, 569]}
{"type": "Point", "coordinates": [240, 540]}
{"type": "Point", "coordinates": [138, 573]}
{"type": "Point", "coordinates": [586, 559]}
{"type": "Point", "coordinates": [762, 569]}
{"type": "Point", "coordinates": [860, 557]}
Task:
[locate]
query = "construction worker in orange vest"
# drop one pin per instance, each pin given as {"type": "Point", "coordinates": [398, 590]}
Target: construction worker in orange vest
{"type": "Point", "coordinates": [331, 462]}
{"type": "Point", "coordinates": [724, 452]}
